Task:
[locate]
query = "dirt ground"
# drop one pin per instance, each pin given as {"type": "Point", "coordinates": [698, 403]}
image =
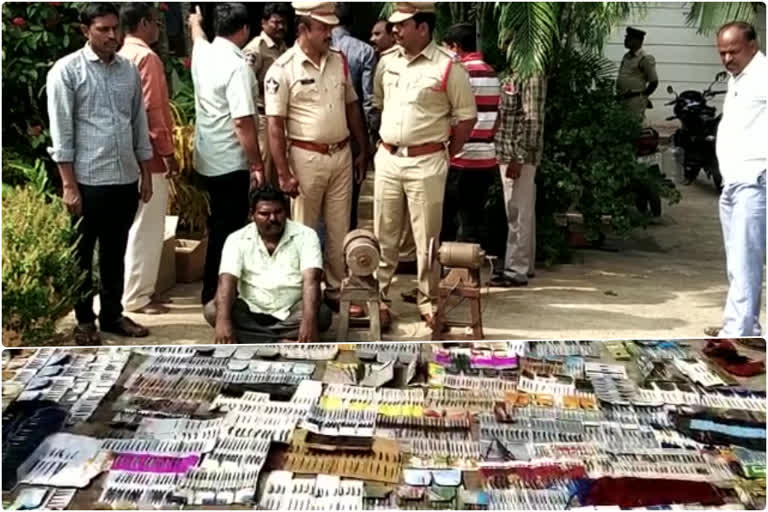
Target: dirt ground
{"type": "Point", "coordinates": [667, 281]}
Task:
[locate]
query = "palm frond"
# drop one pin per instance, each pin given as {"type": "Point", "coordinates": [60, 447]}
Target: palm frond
{"type": "Point", "coordinates": [594, 21]}
{"type": "Point", "coordinates": [527, 32]}
{"type": "Point", "coordinates": [386, 10]}
{"type": "Point", "coordinates": [709, 16]}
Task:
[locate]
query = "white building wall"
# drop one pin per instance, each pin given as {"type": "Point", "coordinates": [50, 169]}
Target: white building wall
{"type": "Point", "coordinates": [684, 59]}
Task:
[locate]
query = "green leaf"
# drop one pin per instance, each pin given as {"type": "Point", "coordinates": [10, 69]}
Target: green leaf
{"type": "Point", "coordinates": [709, 16]}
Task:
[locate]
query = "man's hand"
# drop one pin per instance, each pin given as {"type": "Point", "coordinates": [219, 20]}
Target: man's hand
{"type": "Point", "coordinates": [308, 333]}
{"type": "Point", "coordinates": [171, 166]}
{"type": "Point", "coordinates": [289, 184]}
{"type": "Point", "coordinates": [72, 199]}
{"type": "Point", "coordinates": [196, 18]}
{"type": "Point", "coordinates": [224, 332]}
{"type": "Point", "coordinates": [361, 167]}
{"type": "Point", "coordinates": [146, 187]}
{"type": "Point", "coordinates": [514, 170]}
{"type": "Point", "coordinates": [257, 175]}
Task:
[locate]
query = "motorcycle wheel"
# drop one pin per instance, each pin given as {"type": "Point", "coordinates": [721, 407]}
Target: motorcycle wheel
{"type": "Point", "coordinates": [690, 174]}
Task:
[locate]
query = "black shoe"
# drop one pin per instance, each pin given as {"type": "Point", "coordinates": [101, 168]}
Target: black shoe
{"type": "Point", "coordinates": [126, 327]}
{"type": "Point", "coordinates": [86, 335]}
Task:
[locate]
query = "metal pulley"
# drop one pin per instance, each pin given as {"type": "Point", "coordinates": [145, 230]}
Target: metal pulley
{"type": "Point", "coordinates": [461, 255]}
{"type": "Point", "coordinates": [361, 252]}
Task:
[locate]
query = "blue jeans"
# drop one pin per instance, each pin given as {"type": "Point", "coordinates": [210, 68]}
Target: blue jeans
{"type": "Point", "coordinates": [742, 217]}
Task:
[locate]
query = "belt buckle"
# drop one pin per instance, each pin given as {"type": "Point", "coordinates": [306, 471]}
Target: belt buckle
{"type": "Point", "coordinates": [334, 148]}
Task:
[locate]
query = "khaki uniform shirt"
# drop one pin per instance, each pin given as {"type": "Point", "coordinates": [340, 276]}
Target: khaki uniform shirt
{"type": "Point", "coordinates": [312, 99]}
{"type": "Point", "coordinates": [260, 53]}
{"type": "Point", "coordinates": [419, 98]}
{"type": "Point", "coordinates": [634, 74]}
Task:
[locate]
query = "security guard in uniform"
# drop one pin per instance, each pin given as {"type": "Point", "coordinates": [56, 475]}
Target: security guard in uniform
{"type": "Point", "coordinates": [420, 90]}
{"type": "Point", "coordinates": [260, 53]}
{"type": "Point", "coordinates": [311, 107]}
{"type": "Point", "coordinates": [637, 75]}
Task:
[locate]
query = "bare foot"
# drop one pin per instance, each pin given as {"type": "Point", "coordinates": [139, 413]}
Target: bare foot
{"type": "Point", "coordinates": [153, 309]}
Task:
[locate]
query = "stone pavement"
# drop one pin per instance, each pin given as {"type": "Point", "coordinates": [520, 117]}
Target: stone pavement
{"type": "Point", "coordinates": [667, 281]}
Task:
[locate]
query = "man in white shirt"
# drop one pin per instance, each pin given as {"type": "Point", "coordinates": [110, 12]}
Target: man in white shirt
{"type": "Point", "coordinates": [269, 281]}
{"type": "Point", "coordinates": [741, 152]}
{"type": "Point", "coordinates": [227, 151]}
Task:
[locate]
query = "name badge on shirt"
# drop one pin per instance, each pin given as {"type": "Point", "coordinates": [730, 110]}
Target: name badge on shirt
{"type": "Point", "coordinates": [307, 81]}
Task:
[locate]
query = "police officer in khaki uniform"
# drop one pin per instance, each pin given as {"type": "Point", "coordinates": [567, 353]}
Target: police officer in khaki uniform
{"type": "Point", "coordinates": [312, 107]}
{"type": "Point", "coordinates": [260, 53]}
{"type": "Point", "coordinates": [637, 75]}
{"type": "Point", "coordinates": [421, 90]}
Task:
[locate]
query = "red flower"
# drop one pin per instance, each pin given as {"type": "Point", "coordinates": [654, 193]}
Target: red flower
{"type": "Point", "coordinates": [163, 6]}
{"type": "Point", "coordinates": [187, 62]}
{"type": "Point", "coordinates": [19, 21]}
{"type": "Point", "coordinates": [54, 4]}
{"type": "Point", "coordinates": [34, 130]}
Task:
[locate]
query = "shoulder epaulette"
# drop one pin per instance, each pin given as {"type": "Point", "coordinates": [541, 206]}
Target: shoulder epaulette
{"type": "Point", "coordinates": [391, 50]}
{"type": "Point", "coordinates": [285, 58]}
{"type": "Point", "coordinates": [450, 55]}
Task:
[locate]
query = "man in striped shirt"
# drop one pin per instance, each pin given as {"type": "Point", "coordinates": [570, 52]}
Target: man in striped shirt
{"type": "Point", "coordinates": [471, 170]}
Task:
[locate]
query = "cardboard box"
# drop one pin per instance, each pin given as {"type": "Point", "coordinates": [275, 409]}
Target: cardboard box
{"type": "Point", "coordinates": [166, 275]}
{"type": "Point", "coordinates": [190, 260]}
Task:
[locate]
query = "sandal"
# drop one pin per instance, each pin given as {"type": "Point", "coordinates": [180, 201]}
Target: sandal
{"type": "Point", "coordinates": [86, 335]}
{"type": "Point", "coordinates": [127, 328]}
{"type": "Point", "coordinates": [712, 332]}
{"type": "Point", "coordinates": [160, 299]}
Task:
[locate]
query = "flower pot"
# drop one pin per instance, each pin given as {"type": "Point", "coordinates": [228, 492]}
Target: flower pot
{"type": "Point", "coordinates": [576, 240]}
{"type": "Point", "coordinates": [190, 260]}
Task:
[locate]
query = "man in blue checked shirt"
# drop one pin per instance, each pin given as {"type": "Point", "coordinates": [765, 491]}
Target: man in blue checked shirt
{"type": "Point", "coordinates": [100, 144]}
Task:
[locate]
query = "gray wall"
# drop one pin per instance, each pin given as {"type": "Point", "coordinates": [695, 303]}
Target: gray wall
{"type": "Point", "coordinates": [684, 59]}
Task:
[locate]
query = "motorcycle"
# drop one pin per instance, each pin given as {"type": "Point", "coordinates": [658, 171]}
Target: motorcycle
{"type": "Point", "coordinates": [698, 131]}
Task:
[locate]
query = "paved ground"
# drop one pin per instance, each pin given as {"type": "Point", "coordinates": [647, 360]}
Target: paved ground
{"type": "Point", "coordinates": [667, 281]}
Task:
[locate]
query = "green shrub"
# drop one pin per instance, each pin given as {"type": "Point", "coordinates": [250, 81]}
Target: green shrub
{"type": "Point", "coordinates": [35, 35]}
{"type": "Point", "coordinates": [40, 273]}
{"type": "Point", "coordinates": [590, 164]}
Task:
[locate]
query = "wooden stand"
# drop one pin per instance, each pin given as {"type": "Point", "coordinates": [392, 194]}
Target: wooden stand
{"type": "Point", "coordinates": [464, 283]}
{"type": "Point", "coordinates": [359, 289]}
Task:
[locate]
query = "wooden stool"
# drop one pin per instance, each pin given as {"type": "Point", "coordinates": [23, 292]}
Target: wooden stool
{"type": "Point", "coordinates": [463, 283]}
{"type": "Point", "coordinates": [359, 289]}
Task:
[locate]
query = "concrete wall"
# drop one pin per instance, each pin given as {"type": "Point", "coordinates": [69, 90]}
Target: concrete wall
{"type": "Point", "coordinates": [684, 59]}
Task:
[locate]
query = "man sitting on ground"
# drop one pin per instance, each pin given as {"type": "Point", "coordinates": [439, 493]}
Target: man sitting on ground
{"type": "Point", "coordinates": [275, 265]}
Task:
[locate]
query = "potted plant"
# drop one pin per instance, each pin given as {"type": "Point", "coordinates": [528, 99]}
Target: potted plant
{"type": "Point", "coordinates": [187, 200]}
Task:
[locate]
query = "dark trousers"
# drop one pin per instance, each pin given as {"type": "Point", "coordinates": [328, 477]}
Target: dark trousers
{"type": "Point", "coordinates": [108, 212]}
{"type": "Point", "coordinates": [253, 328]}
{"type": "Point", "coordinates": [229, 212]}
{"type": "Point", "coordinates": [466, 193]}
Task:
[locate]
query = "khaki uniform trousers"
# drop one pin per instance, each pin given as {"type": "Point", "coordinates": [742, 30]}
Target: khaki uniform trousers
{"type": "Point", "coordinates": [325, 191]}
{"type": "Point", "coordinates": [407, 244]}
{"type": "Point", "coordinates": [266, 155]}
{"type": "Point", "coordinates": [418, 182]}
